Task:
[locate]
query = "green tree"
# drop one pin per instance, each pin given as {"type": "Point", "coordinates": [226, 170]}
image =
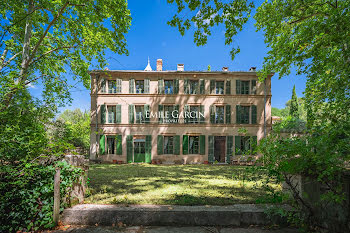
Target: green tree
{"type": "Point", "coordinates": [294, 106]}
{"type": "Point", "coordinates": [43, 40]}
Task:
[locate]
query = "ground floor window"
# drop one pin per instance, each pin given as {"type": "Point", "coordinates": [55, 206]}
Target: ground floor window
{"type": "Point", "coordinates": [168, 145]}
{"type": "Point", "coordinates": [193, 144]}
{"type": "Point", "coordinates": [245, 145]}
{"type": "Point", "coordinates": [111, 145]}
{"type": "Point", "coordinates": [139, 109]}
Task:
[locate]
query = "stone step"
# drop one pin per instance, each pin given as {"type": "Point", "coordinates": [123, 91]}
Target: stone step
{"type": "Point", "coordinates": [169, 215]}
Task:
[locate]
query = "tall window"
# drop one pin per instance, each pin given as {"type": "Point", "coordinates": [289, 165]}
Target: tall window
{"type": "Point", "coordinates": [110, 145]}
{"type": "Point", "coordinates": [220, 86]}
{"type": "Point", "coordinates": [112, 88]}
{"type": "Point", "coordinates": [193, 144]}
{"type": "Point", "coordinates": [111, 114]}
{"type": "Point", "coordinates": [168, 145]}
{"type": "Point", "coordinates": [168, 86]}
{"type": "Point", "coordinates": [168, 116]}
{"type": "Point", "coordinates": [139, 111]}
{"type": "Point", "coordinates": [194, 114]}
{"type": "Point", "coordinates": [103, 86]}
{"type": "Point", "coordinates": [219, 114]}
{"type": "Point", "coordinates": [243, 114]}
{"type": "Point", "coordinates": [193, 86]}
{"type": "Point", "coordinates": [139, 86]}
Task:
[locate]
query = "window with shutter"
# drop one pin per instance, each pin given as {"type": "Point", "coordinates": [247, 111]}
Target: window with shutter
{"type": "Point", "coordinates": [253, 87]}
{"type": "Point", "coordinates": [168, 145]}
{"type": "Point", "coordinates": [160, 144]}
{"type": "Point", "coordinates": [147, 82]}
{"type": "Point", "coordinates": [119, 114]}
{"type": "Point", "coordinates": [254, 114]}
{"type": "Point", "coordinates": [176, 86]}
{"type": "Point", "coordinates": [238, 87]}
{"type": "Point", "coordinates": [148, 149]}
{"type": "Point", "coordinates": [202, 86]}
{"type": "Point", "coordinates": [228, 114]}
{"type": "Point", "coordinates": [212, 86]}
{"type": "Point", "coordinates": [103, 86]}
{"type": "Point", "coordinates": [176, 113]}
{"type": "Point", "coordinates": [228, 87]}
{"type": "Point", "coordinates": [103, 114]}
{"type": "Point", "coordinates": [102, 144]}
{"type": "Point", "coordinates": [111, 110]}
{"type": "Point", "coordinates": [186, 113]}
{"type": "Point", "coordinates": [177, 144]}
{"type": "Point", "coordinates": [131, 114]}
{"type": "Point", "coordinates": [112, 86]}
{"type": "Point", "coordinates": [185, 144]}
{"type": "Point", "coordinates": [161, 113]}
{"type": "Point", "coordinates": [131, 86]}
{"type": "Point", "coordinates": [146, 114]}
{"type": "Point", "coordinates": [186, 87]}
{"type": "Point", "coordinates": [160, 86]}
{"type": "Point", "coordinates": [129, 148]}
{"type": "Point", "coordinates": [202, 144]}
{"type": "Point", "coordinates": [169, 87]}
{"type": "Point", "coordinates": [238, 145]}
{"type": "Point", "coordinates": [119, 144]}
{"type": "Point", "coordinates": [229, 148]}
{"type": "Point", "coordinates": [202, 120]}
{"type": "Point", "coordinates": [211, 149]}
{"type": "Point", "coordinates": [119, 86]}
{"type": "Point", "coordinates": [212, 114]}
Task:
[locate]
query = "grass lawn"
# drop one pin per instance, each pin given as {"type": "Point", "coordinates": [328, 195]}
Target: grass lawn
{"type": "Point", "coordinates": [175, 184]}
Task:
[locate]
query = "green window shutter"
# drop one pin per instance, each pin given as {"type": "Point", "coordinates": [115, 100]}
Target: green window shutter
{"type": "Point", "coordinates": [254, 114]}
{"type": "Point", "coordinates": [238, 87]}
{"type": "Point", "coordinates": [185, 144]}
{"type": "Point", "coordinates": [202, 144]}
{"type": "Point", "coordinates": [228, 114]}
{"type": "Point", "coordinates": [211, 149]}
{"type": "Point", "coordinates": [160, 112]}
{"type": "Point", "coordinates": [102, 144]}
{"type": "Point", "coordinates": [148, 149]}
{"type": "Point", "coordinates": [177, 144]}
{"type": "Point", "coordinates": [212, 114]}
{"type": "Point", "coordinates": [238, 114]}
{"type": "Point", "coordinates": [177, 108]}
{"type": "Point", "coordinates": [186, 87]}
{"type": "Point", "coordinates": [131, 86]}
{"type": "Point", "coordinates": [118, 140]}
{"type": "Point", "coordinates": [254, 143]}
{"type": "Point", "coordinates": [238, 145]}
{"type": "Point", "coordinates": [119, 86]}
{"type": "Point", "coordinates": [212, 86]}
{"type": "Point", "coordinates": [228, 87]}
{"type": "Point", "coordinates": [160, 144]}
{"type": "Point", "coordinates": [119, 113]}
{"type": "Point", "coordinates": [147, 112]}
{"type": "Point", "coordinates": [176, 86]}
{"type": "Point", "coordinates": [202, 86]}
{"type": "Point", "coordinates": [129, 148]}
{"type": "Point", "coordinates": [160, 86]}
{"type": "Point", "coordinates": [201, 110]}
{"type": "Point", "coordinates": [146, 86]}
{"type": "Point", "coordinates": [103, 114]}
{"type": "Point", "coordinates": [131, 114]}
{"type": "Point", "coordinates": [253, 87]}
{"type": "Point", "coordinates": [186, 109]}
{"type": "Point", "coordinates": [229, 148]}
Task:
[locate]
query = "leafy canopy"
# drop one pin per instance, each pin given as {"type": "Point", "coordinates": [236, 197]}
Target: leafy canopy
{"type": "Point", "coordinates": [43, 40]}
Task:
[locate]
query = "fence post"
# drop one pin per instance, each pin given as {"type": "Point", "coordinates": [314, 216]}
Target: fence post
{"type": "Point", "coordinates": [56, 196]}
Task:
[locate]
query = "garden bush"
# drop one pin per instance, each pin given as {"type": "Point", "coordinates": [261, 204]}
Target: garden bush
{"type": "Point", "coordinates": [26, 201]}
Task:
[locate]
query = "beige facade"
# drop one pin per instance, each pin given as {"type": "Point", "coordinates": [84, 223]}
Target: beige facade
{"type": "Point", "coordinates": [213, 139]}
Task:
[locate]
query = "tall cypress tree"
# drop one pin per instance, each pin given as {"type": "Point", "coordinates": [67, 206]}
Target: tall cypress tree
{"type": "Point", "coordinates": [294, 106]}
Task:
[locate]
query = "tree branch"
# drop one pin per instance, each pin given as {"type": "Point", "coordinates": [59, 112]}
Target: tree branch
{"type": "Point", "coordinates": [46, 31]}
{"type": "Point", "coordinates": [8, 61]}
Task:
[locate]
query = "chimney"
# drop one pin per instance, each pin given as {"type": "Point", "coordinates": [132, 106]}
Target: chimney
{"type": "Point", "coordinates": [180, 67]}
{"type": "Point", "coordinates": [252, 69]}
{"type": "Point", "coordinates": [225, 69]}
{"type": "Point", "coordinates": [159, 64]}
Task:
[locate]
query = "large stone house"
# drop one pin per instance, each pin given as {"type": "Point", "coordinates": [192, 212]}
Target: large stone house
{"type": "Point", "coordinates": [177, 116]}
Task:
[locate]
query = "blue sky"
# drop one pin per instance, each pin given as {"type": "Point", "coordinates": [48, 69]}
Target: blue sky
{"type": "Point", "coordinates": [150, 36]}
